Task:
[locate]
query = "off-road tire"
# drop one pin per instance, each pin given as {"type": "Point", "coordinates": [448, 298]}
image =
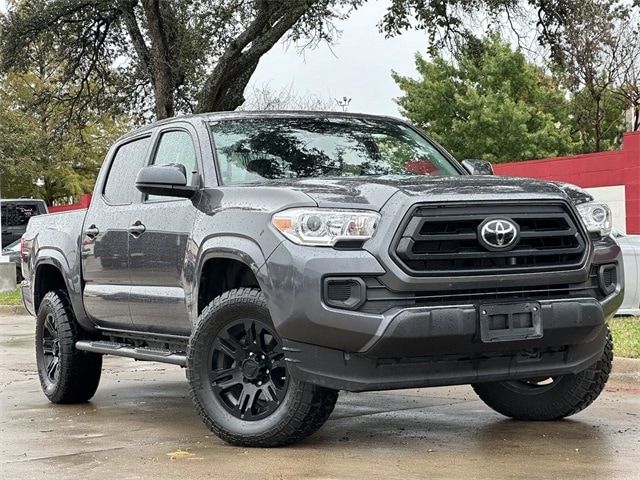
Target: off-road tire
{"type": "Point", "coordinates": [304, 408]}
{"type": "Point", "coordinates": [78, 372]}
{"type": "Point", "coordinates": [566, 396]}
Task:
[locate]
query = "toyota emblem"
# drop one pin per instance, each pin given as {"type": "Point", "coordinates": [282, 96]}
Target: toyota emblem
{"type": "Point", "coordinates": [498, 233]}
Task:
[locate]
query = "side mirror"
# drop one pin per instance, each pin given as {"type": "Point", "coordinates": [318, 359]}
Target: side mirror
{"type": "Point", "coordinates": [165, 180]}
{"type": "Point", "coordinates": [478, 167]}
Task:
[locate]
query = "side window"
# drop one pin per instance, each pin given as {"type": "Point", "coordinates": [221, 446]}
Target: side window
{"type": "Point", "coordinates": [17, 214]}
{"type": "Point", "coordinates": [120, 188]}
{"type": "Point", "coordinates": [175, 147]}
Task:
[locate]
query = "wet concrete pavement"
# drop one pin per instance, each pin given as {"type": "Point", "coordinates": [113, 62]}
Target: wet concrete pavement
{"type": "Point", "coordinates": [141, 424]}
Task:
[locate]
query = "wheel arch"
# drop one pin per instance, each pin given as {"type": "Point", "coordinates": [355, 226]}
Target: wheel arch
{"type": "Point", "coordinates": [226, 262]}
{"type": "Point", "coordinates": [52, 272]}
{"type": "Point", "coordinates": [48, 276]}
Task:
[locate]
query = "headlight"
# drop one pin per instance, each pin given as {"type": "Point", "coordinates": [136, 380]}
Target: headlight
{"type": "Point", "coordinates": [596, 216]}
{"type": "Point", "coordinates": [324, 227]}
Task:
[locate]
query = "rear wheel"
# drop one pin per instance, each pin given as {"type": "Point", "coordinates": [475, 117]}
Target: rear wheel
{"type": "Point", "coordinates": [239, 379]}
{"type": "Point", "coordinates": [66, 375]}
{"type": "Point", "coordinates": [550, 398]}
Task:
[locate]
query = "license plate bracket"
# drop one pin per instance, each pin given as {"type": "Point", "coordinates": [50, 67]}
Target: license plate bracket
{"type": "Point", "coordinates": [510, 322]}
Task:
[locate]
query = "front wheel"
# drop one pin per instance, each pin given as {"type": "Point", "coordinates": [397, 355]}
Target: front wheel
{"type": "Point", "coordinates": [550, 398]}
{"type": "Point", "coordinates": [238, 376]}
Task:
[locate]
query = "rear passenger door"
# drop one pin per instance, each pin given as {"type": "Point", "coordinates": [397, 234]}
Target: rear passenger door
{"type": "Point", "coordinates": [105, 237]}
{"type": "Point", "coordinates": [159, 259]}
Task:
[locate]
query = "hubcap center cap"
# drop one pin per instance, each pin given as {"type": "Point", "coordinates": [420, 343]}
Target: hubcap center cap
{"type": "Point", "coordinates": [251, 369]}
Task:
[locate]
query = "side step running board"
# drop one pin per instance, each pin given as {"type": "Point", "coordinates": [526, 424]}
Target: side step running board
{"type": "Point", "coordinates": [139, 353]}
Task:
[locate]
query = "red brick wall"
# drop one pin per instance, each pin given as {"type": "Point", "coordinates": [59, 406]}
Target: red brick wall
{"type": "Point", "coordinates": [84, 202]}
{"type": "Point", "coordinates": [604, 169]}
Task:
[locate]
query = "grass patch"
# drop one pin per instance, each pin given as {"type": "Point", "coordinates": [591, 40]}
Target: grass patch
{"type": "Point", "coordinates": [626, 336]}
{"type": "Point", "coordinates": [11, 298]}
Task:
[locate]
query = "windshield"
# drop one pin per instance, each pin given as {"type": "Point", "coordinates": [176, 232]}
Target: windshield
{"type": "Point", "coordinates": [254, 150]}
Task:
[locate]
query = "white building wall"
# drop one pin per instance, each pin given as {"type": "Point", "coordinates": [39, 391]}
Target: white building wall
{"type": "Point", "coordinates": [615, 198]}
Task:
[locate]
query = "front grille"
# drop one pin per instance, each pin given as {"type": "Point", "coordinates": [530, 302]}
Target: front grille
{"type": "Point", "coordinates": [443, 239]}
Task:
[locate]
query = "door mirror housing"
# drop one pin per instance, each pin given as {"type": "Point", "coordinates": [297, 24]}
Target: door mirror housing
{"type": "Point", "coordinates": [165, 180]}
{"type": "Point", "coordinates": [478, 167]}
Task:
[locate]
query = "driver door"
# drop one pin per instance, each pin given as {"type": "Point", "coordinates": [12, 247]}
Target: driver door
{"type": "Point", "coordinates": [159, 264]}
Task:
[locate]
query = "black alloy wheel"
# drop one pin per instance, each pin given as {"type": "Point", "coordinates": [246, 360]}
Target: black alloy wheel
{"type": "Point", "coordinates": [241, 384]}
{"type": "Point", "coordinates": [51, 349]}
{"type": "Point", "coordinates": [247, 369]}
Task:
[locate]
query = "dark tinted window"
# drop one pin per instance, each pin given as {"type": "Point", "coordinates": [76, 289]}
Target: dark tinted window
{"type": "Point", "coordinates": [15, 214]}
{"type": "Point", "coordinates": [252, 150]}
{"type": "Point", "coordinates": [129, 159]}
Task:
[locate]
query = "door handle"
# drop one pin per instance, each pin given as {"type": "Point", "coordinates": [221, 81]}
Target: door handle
{"type": "Point", "coordinates": [136, 229]}
{"type": "Point", "coordinates": [92, 231]}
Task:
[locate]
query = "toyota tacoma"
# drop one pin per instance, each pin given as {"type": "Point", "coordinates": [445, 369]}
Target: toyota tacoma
{"type": "Point", "coordinates": [282, 257]}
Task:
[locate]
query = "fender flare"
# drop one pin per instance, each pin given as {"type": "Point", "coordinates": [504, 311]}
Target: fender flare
{"type": "Point", "coordinates": [233, 247]}
{"type": "Point", "coordinates": [55, 258]}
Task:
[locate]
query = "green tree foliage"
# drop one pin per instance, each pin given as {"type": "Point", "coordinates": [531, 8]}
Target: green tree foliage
{"type": "Point", "coordinates": [598, 118]}
{"type": "Point", "coordinates": [42, 154]}
{"type": "Point", "coordinates": [598, 59]}
{"type": "Point", "coordinates": [182, 56]}
{"type": "Point", "coordinates": [166, 57]}
{"type": "Point", "coordinates": [489, 103]}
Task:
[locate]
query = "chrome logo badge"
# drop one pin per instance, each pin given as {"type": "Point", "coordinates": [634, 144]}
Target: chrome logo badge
{"type": "Point", "coordinates": [498, 233]}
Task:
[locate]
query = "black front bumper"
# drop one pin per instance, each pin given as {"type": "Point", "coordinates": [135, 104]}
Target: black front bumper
{"type": "Point", "coordinates": [434, 346]}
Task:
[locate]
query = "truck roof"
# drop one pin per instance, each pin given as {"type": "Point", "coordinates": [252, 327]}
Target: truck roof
{"type": "Point", "coordinates": [240, 114]}
{"type": "Point", "coordinates": [22, 200]}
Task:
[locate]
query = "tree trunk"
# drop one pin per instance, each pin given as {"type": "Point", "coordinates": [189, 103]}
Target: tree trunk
{"type": "Point", "coordinates": [224, 88]}
{"type": "Point", "coordinates": [164, 98]}
{"type": "Point", "coordinates": [161, 23]}
{"type": "Point", "coordinates": [226, 91]}
{"type": "Point", "coordinates": [598, 120]}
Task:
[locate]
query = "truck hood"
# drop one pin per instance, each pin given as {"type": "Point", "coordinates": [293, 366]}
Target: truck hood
{"type": "Point", "coordinates": [372, 193]}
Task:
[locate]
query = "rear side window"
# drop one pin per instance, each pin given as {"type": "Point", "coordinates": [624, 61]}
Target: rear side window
{"type": "Point", "coordinates": [15, 214]}
{"type": "Point", "coordinates": [120, 188]}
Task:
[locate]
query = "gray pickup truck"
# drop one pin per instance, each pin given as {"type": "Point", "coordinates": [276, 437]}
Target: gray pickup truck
{"type": "Point", "coordinates": [282, 257]}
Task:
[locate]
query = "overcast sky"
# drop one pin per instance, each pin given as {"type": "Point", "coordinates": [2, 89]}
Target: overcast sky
{"type": "Point", "coordinates": [358, 66]}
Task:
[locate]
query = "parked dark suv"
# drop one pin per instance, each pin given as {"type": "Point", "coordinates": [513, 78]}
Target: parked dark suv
{"type": "Point", "coordinates": [282, 257]}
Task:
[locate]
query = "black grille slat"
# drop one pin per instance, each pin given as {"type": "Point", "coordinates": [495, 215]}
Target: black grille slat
{"type": "Point", "coordinates": [443, 240]}
{"type": "Point", "coordinates": [551, 291]}
{"type": "Point", "coordinates": [446, 236]}
{"type": "Point", "coordinates": [412, 255]}
{"type": "Point", "coordinates": [379, 298]}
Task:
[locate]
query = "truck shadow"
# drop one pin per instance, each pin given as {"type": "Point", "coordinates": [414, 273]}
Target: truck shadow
{"type": "Point", "coordinates": [360, 421]}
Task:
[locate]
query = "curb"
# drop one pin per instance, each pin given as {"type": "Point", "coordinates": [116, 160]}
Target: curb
{"type": "Point", "coordinates": [13, 310]}
{"type": "Point", "coordinates": [626, 371]}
